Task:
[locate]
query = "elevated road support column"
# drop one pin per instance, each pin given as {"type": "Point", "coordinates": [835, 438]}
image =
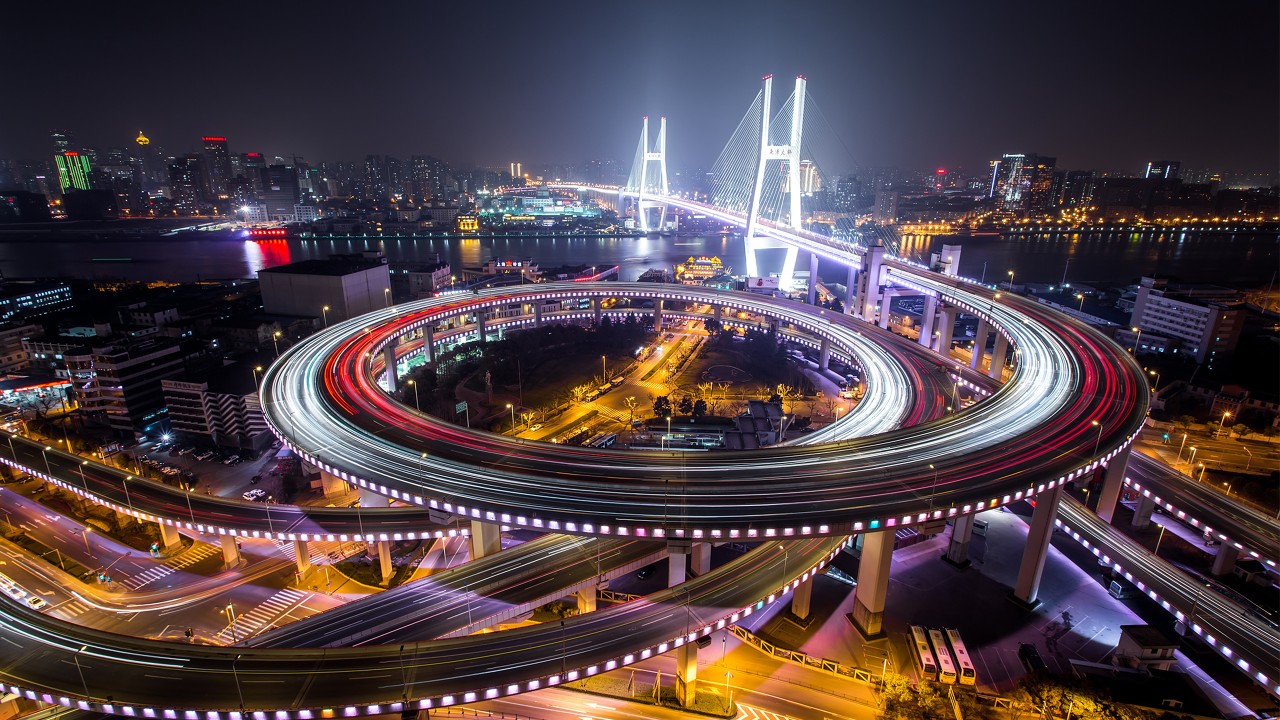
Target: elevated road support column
{"type": "Point", "coordinates": [813, 278]}
{"type": "Point", "coordinates": [958, 548]}
{"type": "Point", "coordinates": [384, 560]}
{"type": "Point", "coordinates": [1027, 586]}
{"type": "Point", "coordinates": [537, 313]}
{"type": "Point", "coordinates": [389, 360]}
{"type": "Point", "coordinates": [331, 484]}
{"type": "Point", "coordinates": [587, 599]}
{"type": "Point", "coordinates": [1225, 560]}
{"type": "Point", "coordinates": [979, 344]}
{"type": "Point", "coordinates": [657, 315]}
{"type": "Point", "coordinates": [851, 292]}
{"type": "Point", "coordinates": [230, 550]}
{"type": "Point", "coordinates": [998, 353]}
{"type": "Point", "coordinates": [946, 333]}
{"type": "Point", "coordinates": [169, 537]}
{"type": "Point", "coordinates": [687, 673]}
{"type": "Point", "coordinates": [486, 539]}
{"type": "Point", "coordinates": [1142, 513]}
{"type": "Point", "coordinates": [369, 498]}
{"type": "Point", "coordinates": [717, 311]}
{"type": "Point", "coordinates": [873, 584]}
{"type": "Point", "coordinates": [870, 283]}
{"type": "Point", "coordinates": [800, 599]}
{"type": "Point", "coordinates": [429, 344]}
{"type": "Point", "coordinates": [596, 310]}
{"type": "Point", "coordinates": [1112, 481]}
{"type": "Point", "coordinates": [700, 562]}
{"type": "Point", "coordinates": [927, 321]}
{"type": "Point", "coordinates": [886, 301]}
{"type": "Point", "coordinates": [480, 325]}
{"type": "Point", "coordinates": [678, 555]}
{"type": "Point", "coordinates": [302, 556]}
{"type": "Point", "coordinates": [824, 354]}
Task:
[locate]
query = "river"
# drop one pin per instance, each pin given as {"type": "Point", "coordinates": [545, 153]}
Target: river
{"type": "Point", "coordinates": [1236, 260]}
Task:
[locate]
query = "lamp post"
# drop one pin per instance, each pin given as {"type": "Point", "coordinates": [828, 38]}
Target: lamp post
{"type": "Point", "coordinates": [125, 484]}
{"type": "Point", "coordinates": [416, 406]}
{"type": "Point", "coordinates": [325, 312]}
{"type": "Point", "coordinates": [513, 417]}
{"type": "Point", "coordinates": [1098, 441]}
{"type": "Point", "coordinates": [934, 489]}
{"type": "Point", "coordinates": [45, 453]}
{"type": "Point", "coordinates": [1137, 341]}
{"type": "Point", "coordinates": [1010, 274]}
{"type": "Point", "coordinates": [275, 342]}
{"type": "Point", "coordinates": [1228, 488]}
{"type": "Point", "coordinates": [1191, 461]}
{"type": "Point", "coordinates": [1159, 537]}
{"type": "Point", "coordinates": [1156, 384]}
{"type": "Point", "coordinates": [231, 618]}
{"type": "Point", "coordinates": [386, 295]}
{"type": "Point", "coordinates": [1203, 467]}
{"type": "Point", "coordinates": [84, 533]}
{"type": "Point", "coordinates": [76, 657]}
{"type": "Point", "coordinates": [1080, 297]}
{"type": "Point", "coordinates": [235, 674]}
{"type": "Point", "coordinates": [83, 483]}
{"type": "Point", "coordinates": [191, 512]}
{"type": "Point", "coordinates": [667, 438]}
{"type": "Point", "coordinates": [604, 372]}
{"type": "Point", "coordinates": [256, 369]}
{"type": "Point", "coordinates": [1225, 415]}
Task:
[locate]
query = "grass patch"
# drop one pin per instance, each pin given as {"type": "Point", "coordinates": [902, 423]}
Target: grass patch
{"type": "Point", "coordinates": [631, 688]}
{"type": "Point", "coordinates": [366, 570]}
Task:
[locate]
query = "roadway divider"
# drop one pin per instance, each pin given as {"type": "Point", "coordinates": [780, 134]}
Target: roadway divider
{"type": "Point", "coordinates": [795, 656]}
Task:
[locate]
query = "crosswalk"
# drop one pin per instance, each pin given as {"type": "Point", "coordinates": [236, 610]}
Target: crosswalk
{"type": "Point", "coordinates": [70, 609]}
{"type": "Point", "coordinates": [747, 712]}
{"type": "Point", "coordinates": [320, 552]}
{"type": "Point", "coordinates": [195, 554]}
{"type": "Point", "coordinates": [261, 617]}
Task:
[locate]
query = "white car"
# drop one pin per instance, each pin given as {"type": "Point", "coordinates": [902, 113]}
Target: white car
{"type": "Point", "coordinates": [37, 603]}
{"type": "Point", "coordinates": [535, 427]}
{"type": "Point", "coordinates": [254, 494]}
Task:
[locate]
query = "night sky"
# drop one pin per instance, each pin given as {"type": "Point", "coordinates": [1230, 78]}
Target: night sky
{"type": "Point", "coordinates": [1101, 85]}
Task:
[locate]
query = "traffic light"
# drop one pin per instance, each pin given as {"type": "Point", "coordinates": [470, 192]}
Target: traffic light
{"type": "Point", "coordinates": [190, 633]}
{"type": "Point", "coordinates": [1166, 438]}
{"type": "Point", "coordinates": [102, 577]}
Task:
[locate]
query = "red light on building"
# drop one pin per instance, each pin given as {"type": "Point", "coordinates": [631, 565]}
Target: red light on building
{"type": "Point", "coordinates": [942, 171]}
{"type": "Point", "coordinates": [210, 138]}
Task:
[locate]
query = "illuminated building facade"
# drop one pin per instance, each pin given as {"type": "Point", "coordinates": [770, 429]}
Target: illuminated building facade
{"type": "Point", "coordinates": [1023, 183]}
{"type": "Point", "coordinates": [73, 170]}
{"type": "Point", "coordinates": [1163, 169]}
{"type": "Point", "coordinates": [217, 165]}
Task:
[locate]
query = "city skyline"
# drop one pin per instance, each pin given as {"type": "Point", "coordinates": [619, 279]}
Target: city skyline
{"type": "Point", "coordinates": [899, 87]}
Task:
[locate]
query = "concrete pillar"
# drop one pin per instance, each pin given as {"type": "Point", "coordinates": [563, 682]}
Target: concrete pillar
{"type": "Point", "coordinates": [886, 302]}
{"type": "Point", "coordinates": [586, 600]}
{"type": "Point", "coordinates": [169, 537]}
{"type": "Point", "coordinates": [678, 555]}
{"type": "Point", "coordinates": [851, 292]}
{"type": "Point", "coordinates": [480, 324]}
{"type": "Point", "coordinates": [1142, 513]}
{"type": "Point", "coordinates": [870, 282]}
{"type": "Point", "coordinates": [429, 344]}
{"type": "Point", "coordinates": [813, 278]}
{"type": "Point", "coordinates": [873, 583]}
{"type": "Point", "coordinates": [800, 599]}
{"type": "Point", "coordinates": [384, 560]}
{"type": "Point", "coordinates": [486, 539]}
{"type": "Point", "coordinates": [958, 548]}
{"type": "Point", "coordinates": [947, 330]}
{"type": "Point", "coordinates": [926, 320]}
{"type": "Point", "coordinates": [657, 315]}
{"type": "Point", "coordinates": [996, 371]}
{"type": "Point", "coordinates": [824, 354]}
{"type": "Point", "coordinates": [687, 673]}
{"type": "Point", "coordinates": [717, 311]}
{"type": "Point", "coordinates": [1224, 561]}
{"type": "Point", "coordinates": [1112, 482]}
{"type": "Point", "coordinates": [1027, 586]}
{"type": "Point", "coordinates": [332, 484]}
{"type": "Point", "coordinates": [979, 344]}
{"type": "Point", "coordinates": [230, 550]}
{"type": "Point", "coordinates": [389, 359]}
{"type": "Point", "coordinates": [537, 314]}
{"type": "Point", "coordinates": [369, 498]}
{"type": "Point", "coordinates": [700, 562]}
{"type": "Point", "coordinates": [595, 308]}
{"type": "Point", "coordinates": [302, 555]}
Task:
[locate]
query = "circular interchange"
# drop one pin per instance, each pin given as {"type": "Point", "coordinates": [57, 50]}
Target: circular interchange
{"type": "Point", "coordinates": [1075, 399]}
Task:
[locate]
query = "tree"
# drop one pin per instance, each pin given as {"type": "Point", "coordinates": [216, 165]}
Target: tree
{"type": "Point", "coordinates": [580, 392]}
{"type": "Point", "coordinates": [631, 404]}
{"type": "Point", "coordinates": [1240, 429]}
{"type": "Point", "coordinates": [699, 408]}
{"type": "Point", "coordinates": [662, 406]}
{"type": "Point", "coordinates": [686, 405]}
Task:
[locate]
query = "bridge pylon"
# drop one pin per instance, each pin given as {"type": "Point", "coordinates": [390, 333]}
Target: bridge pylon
{"type": "Point", "coordinates": [655, 184]}
{"type": "Point", "coordinates": [790, 155]}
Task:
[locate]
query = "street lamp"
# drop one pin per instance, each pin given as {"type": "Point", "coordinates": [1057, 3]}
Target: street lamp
{"type": "Point", "coordinates": [231, 618]}
{"type": "Point", "coordinates": [386, 294]}
{"type": "Point", "coordinates": [1225, 415]}
{"type": "Point", "coordinates": [667, 438]}
{"type": "Point", "coordinates": [76, 657]}
{"type": "Point", "coordinates": [1098, 441]}
{"type": "Point", "coordinates": [1159, 537]}
{"type": "Point", "coordinates": [1080, 297]}
{"type": "Point", "coordinates": [84, 533]}
{"type": "Point", "coordinates": [275, 342]}
{"type": "Point", "coordinates": [45, 453]}
{"type": "Point", "coordinates": [325, 312]}
{"type": "Point", "coordinates": [1156, 384]}
{"type": "Point", "coordinates": [1191, 461]}
{"type": "Point", "coordinates": [604, 372]}
{"type": "Point", "coordinates": [1228, 488]}
{"type": "Point", "coordinates": [1203, 467]}
{"type": "Point", "coordinates": [513, 417]}
{"type": "Point", "coordinates": [125, 484]}
{"type": "Point", "coordinates": [84, 483]}
{"type": "Point", "coordinates": [1137, 341]}
{"type": "Point", "coordinates": [256, 369]}
{"type": "Point", "coordinates": [189, 510]}
{"type": "Point", "coordinates": [1010, 274]}
{"type": "Point", "coordinates": [415, 396]}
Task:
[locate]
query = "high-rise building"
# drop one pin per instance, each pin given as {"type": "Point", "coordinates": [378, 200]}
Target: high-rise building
{"type": "Point", "coordinates": [1023, 183]}
{"type": "Point", "coordinates": [62, 141]}
{"type": "Point", "coordinates": [186, 184]}
{"type": "Point", "coordinates": [1077, 189]}
{"type": "Point", "coordinates": [1163, 169]}
{"type": "Point", "coordinates": [73, 170]}
{"type": "Point", "coordinates": [1205, 321]}
{"type": "Point", "coordinates": [280, 191]}
{"type": "Point", "coordinates": [251, 166]}
{"type": "Point", "coordinates": [217, 164]}
{"type": "Point", "coordinates": [886, 210]}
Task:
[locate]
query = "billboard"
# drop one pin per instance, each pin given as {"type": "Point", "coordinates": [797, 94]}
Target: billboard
{"type": "Point", "coordinates": [762, 283]}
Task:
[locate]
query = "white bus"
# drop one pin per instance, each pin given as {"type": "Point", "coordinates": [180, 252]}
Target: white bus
{"type": "Point", "coordinates": [946, 668]}
{"type": "Point", "coordinates": [602, 440]}
{"type": "Point", "coordinates": [964, 665]}
{"type": "Point", "coordinates": [923, 655]}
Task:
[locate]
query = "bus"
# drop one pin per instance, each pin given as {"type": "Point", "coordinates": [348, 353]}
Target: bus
{"type": "Point", "coordinates": [601, 440]}
{"type": "Point", "coordinates": [946, 669]}
{"type": "Point", "coordinates": [964, 665]}
{"type": "Point", "coordinates": [923, 655]}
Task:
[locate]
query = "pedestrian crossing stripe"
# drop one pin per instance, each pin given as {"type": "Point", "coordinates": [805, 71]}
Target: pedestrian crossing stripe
{"type": "Point", "coordinates": [748, 712]}
{"type": "Point", "coordinates": [250, 623]}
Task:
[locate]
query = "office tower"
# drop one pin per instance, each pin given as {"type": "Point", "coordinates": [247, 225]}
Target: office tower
{"type": "Point", "coordinates": [217, 164]}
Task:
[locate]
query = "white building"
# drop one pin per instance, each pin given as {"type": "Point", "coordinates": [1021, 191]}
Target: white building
{"type": "Point", "coordinates": [330, 290]}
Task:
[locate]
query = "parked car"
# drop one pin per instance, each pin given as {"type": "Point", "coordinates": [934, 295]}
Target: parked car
{"type": "Point", "coordinates": [255, 479]}
{"type": "Point", "coordinates": [254, 494]}
{"type": "Point", "coordinates": [231, 460]}
{"type": "Point", "coordinates": [535, 427]}
{"type": "Point", "coordinates": [204, 455]}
